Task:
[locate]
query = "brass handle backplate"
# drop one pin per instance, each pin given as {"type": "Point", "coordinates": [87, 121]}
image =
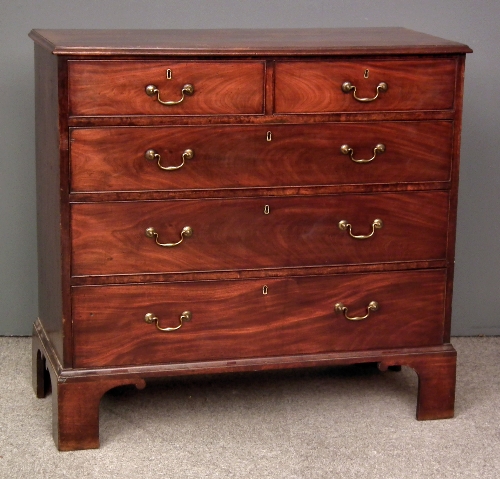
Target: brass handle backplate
{"type": "Point", "coordinates": [154, 155]}
{"type": "Point", "coordinates": [348, 86]}
{"type": "Point", "coordinates": [185, 233]}
{"type": "Point", "coordinates": [344, 225]}
{"type": "Point", "coordinates": [151, 318]}
{"type": "Point", "coordinates": [347, 150]}
{"type": "Point", "coordinates": [340, 308]}
{"type": "Point", "coordinates": [187, 90]}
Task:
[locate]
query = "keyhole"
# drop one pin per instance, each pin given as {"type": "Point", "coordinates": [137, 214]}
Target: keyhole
{"type": "Point", "coordinates": [367, 73]}
{"type": "Point", "coordinates": [169, 74]}
{"type": "Point", "coordinates": [265, 290]}
{"type": "Point", "coordinates": [266, 210]}
{"type": "Point", "coordinates": [269, 136]}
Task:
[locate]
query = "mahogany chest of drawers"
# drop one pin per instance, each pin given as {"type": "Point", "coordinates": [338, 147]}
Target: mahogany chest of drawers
{"type": "Point", "coordinates": [238, 200]}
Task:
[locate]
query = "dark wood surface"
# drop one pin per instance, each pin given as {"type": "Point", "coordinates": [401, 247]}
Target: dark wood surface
{"type": "Point", "coordinates": [236, 320]}
{"type": "Point", "coordinates": [112, 159]}
{"type": "Point", "coordinates": [230, 42]}
{"type": "Point", "coordinates": [109, 238]}
{"type": "Point", "coordinates": [452, 219]}
{"type": "Point", "coordinates": [97, 194]}
{"type": "Point", "coordinates": [424, 84]}
{"type": "Point", "coordinates": [118, 88]}
{"type": "Point", "coordinates": [54, 305]}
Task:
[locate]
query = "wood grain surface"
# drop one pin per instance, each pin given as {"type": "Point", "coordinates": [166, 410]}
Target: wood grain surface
{"type": "Point", "coordinates": [54, 300]}
{"type": "Point", "coordinates": [308, 87]}
{"type": "Point", "coordinates": [118, 87]}
{"type": "Point", "coordinates": [234, 319]}
{"type": "Point", "coordinates": [237, 156]}
{"type": "Point", "coordinates": [109, 238]}
{"type": "Point", "coordinates": [244, 41]}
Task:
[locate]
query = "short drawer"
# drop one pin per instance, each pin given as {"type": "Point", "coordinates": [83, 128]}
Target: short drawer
{"type": "Point", "coordinates": [119, 88]}
{"type": "Point", "coordinates": [317, 87]}
{"type": "Point", "coordinates": [247, 233]}
{"type": "Point", "coordinates": [235, 319]}
{"type": "Point", "coordinates": [155, 158]}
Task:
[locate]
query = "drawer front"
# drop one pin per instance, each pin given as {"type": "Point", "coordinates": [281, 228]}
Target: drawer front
{"type": "Point", "coordinates": [234, 319]}
{"type": "Point", "coordinates": [119, 88]}
{"type": "Point", "coordinates": [316, 87]}
{"type": "Point", "coordinates": [110, 238]}
{"type": "Point", "coordinates": [114, 159]}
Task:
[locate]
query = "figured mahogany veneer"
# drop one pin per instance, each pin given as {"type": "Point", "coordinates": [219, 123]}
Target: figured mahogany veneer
{"type": "Point", "coordinates": [234, 319]}
{"type": "Point", "coordinates": [266, 143]}
{"type": "Point", "coordinates": [307, 87]}
{"type": "Point", "coordinates": [109, 238]}
{"type": "Point", "coordinates": [230, 156]}
{"type": "Point", "coordinates": [118, 88]}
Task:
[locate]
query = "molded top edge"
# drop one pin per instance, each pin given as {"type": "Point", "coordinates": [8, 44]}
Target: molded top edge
{"type": "Point", "coordinates": [230, 42]}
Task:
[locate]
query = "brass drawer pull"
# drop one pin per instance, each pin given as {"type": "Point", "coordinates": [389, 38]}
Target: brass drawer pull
{"type": "Point", "coordinates": [344, 225]}
{"type": "Point", "coordinates": [347, 150]}
{"type": "Point", "coordinates": [187, 89]}
{"type": "Point", "coordinates": [185, 233]}
{"type": "Point", "coordinates": [340, 308]}
{"type": "Point", "coordinates": [151, 318]}
{"type": "Point", "coordinates": [153, 155]}
{"type": "Point", "coordinates": [348, 86]}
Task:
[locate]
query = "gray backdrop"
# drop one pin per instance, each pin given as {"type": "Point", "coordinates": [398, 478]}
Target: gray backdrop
{"type": "Point", "coordinates": [474, 22]}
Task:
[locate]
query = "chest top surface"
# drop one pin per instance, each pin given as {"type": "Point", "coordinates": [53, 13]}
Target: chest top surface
{"type": "Point", "coordinates": [227, 42]}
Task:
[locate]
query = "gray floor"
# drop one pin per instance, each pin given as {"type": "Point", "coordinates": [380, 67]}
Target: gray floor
{"type": "Point", "coordinates": [350, 422]}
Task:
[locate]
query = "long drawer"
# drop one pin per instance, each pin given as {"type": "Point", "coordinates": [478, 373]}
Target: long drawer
{"type": "Point", "coordinates": [247, 233]}
{"type": "Point", "coordinates": [235, 319]}
{"type": "Point", "coordinates": [130, 159]}
{"type": "Point", "coordinates": [319, 87]}
{"type": "Point", "coordinates": [119, 87]}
